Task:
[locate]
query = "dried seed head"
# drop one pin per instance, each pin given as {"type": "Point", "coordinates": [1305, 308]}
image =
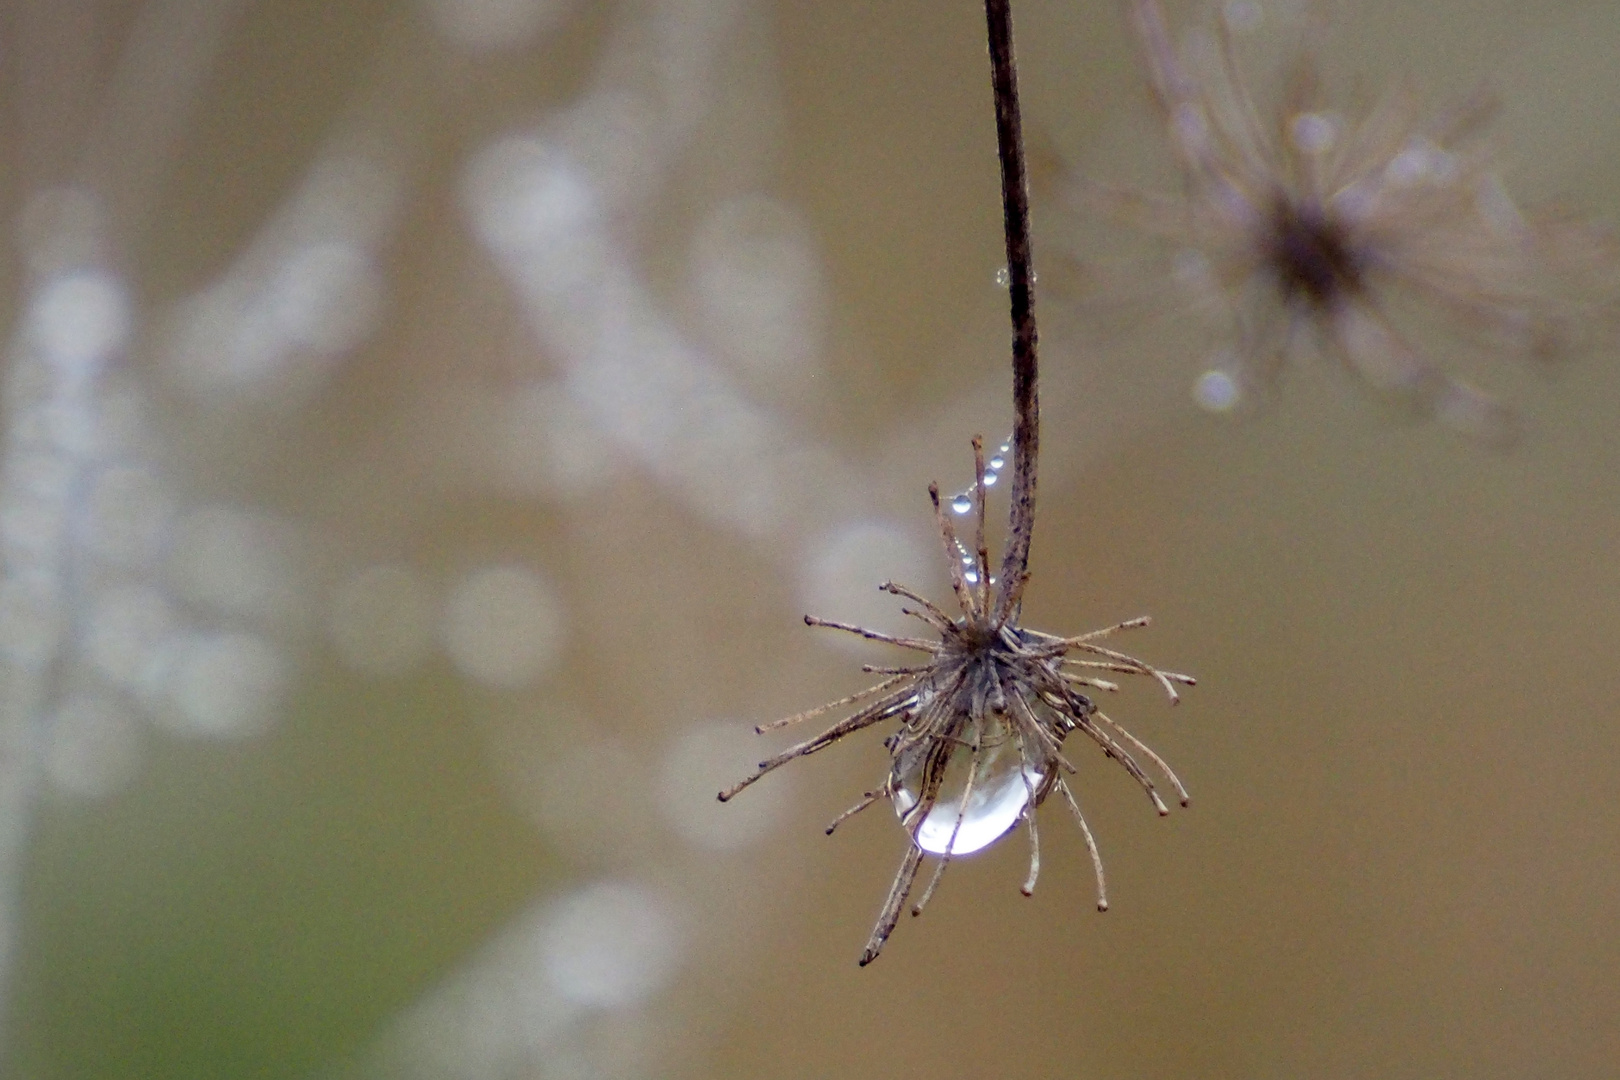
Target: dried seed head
{"type": "Point", "coordinates": [980, 722]}
{"type": "Point", "coordinates": [1312, 255]}
{"type": "Point", "coordinates": [1297, 223]}
{"type": "Point", "coordinates": [989, 707]}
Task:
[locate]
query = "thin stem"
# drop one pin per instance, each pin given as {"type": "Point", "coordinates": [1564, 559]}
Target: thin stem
{"type": "Point", "coordinates": [1112, 748]}
{"type": "Point", "coordinates": [907, 643]}
{"type": "Point", "coordinates": [950, 845]}
{"type": "Point", "coordinates": [964, 596]}
{"type": "Point", "coordinates": [928, 605]}
{"type": "Point", "coordinates": [1091, 846]}
{"type": "Point", "coordinates": [866, 800]}
{"type": "Point", "coordinates": [882, 709]}
{"type": "Point", "coordinates": [1034, 837]}
{"type": "Point", "coordinates": [981, 551]}
{"type": "Point", "coordinates": [1164, 766]}
{"type": "Point", "coordinates": [1020, 279]}
{"type": "Point", "coordinates": [891, 906]}
{"type": "Point", "coordinates": [1166, 679]}
{"type": "Point", "coordinates": [786, 721]}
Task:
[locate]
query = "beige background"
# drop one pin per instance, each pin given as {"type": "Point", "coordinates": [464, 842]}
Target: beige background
{"type": "Point", "coordinates": [510, 375]}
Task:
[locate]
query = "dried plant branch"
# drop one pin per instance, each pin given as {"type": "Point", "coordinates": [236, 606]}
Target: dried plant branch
{"type": "Point", "coordinates": [982, 722]}
{"type": "Point", "coordinates": [1020, 290]}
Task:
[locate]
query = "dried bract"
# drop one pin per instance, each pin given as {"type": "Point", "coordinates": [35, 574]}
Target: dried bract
{"type": "Point", "coordinates": [1295, 223]}
{"type": "Point", "coordinates": [980, 722]}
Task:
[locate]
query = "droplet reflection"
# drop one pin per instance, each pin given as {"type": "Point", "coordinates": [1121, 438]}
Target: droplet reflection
{"type": "Point", "coordinates": [1002, 783]}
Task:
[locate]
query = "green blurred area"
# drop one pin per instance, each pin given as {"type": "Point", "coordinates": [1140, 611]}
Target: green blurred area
{"type": "Point", "coordinates": [266, 909]}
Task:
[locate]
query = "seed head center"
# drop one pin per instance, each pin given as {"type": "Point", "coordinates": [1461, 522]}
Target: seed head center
{"type": "Point", "coordinates": [1311, 254]}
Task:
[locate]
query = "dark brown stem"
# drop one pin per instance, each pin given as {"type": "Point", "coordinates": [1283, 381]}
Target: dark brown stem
{"type": "Point", "coordinates": [1015, 206]}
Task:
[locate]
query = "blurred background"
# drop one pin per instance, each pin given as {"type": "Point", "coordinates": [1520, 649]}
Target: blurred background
{"type": "Point", "coordinates": [425, 424]}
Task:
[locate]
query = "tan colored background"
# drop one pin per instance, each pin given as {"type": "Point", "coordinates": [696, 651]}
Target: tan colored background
{"type": "Point", "coordinates": [668, 311]}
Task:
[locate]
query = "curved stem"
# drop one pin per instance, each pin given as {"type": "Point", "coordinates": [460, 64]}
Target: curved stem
{"type": "Point", "coordinates": [1020, 275]}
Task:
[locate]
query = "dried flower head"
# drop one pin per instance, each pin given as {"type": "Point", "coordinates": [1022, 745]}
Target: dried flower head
{"type": "Point", "coordinates": [981, 720]}
{"type": "Point", "coordinates": [1297, 222]}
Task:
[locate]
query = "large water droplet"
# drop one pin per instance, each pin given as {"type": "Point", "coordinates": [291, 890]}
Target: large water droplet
{"type": "Point", "coordinates": [990, 479]}
{"type": "Point", "coordinates": [1002, 784]}
{"type": "Point", "coordinates": [962, 504]}
{"type": "Point", "coordinates": [997, 462]}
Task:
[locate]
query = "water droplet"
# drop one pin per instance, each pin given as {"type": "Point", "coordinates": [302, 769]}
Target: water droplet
{"type": "Point", "coordinates": [80, 320]}
{"type": "Point", "coordinates": [962, 504]}
{"type": "Point", "coordinates": [1004, 278]}
{"type": "Point", "coordinates": [1421, 162]}
{"type": "Point", "coordinates": [1002, 784]}
{"type": "Point", "coordinates": [997, 462]}
{"type": "Point", "coordinates": [971, 577]}
{"type": "Point", "coordinates": [1006, 448]}
{"type": "Point", "coordinates": [1313, 133]}
{"type": "Point", "coordinates": [1217, 391]}
{"type": "Point", "coordinates": [990, 479]}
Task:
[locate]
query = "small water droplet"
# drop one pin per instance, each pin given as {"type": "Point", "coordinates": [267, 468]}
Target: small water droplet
{"type": "Point", "coordinates": [1002, 784]}
{"type": "Point", "coordinates": [1006, 448]}
{"type": "Point", "coordinates": [997, 462]}
{"type": "Point", "coordinates": [1004, 278]}
{"type": "Point", "coordinates": [990, 479]}
{"type": "Point", "coordinates": [1421, 161]}
{"type": "Point", "coordinates": [971, 577]}
{"type": "Point", "coordinates": [961, 504]}
{"type": "Point", "coordinates": [1313, 133]}
{"type": "Point", "coordinates": [1218, 391]}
